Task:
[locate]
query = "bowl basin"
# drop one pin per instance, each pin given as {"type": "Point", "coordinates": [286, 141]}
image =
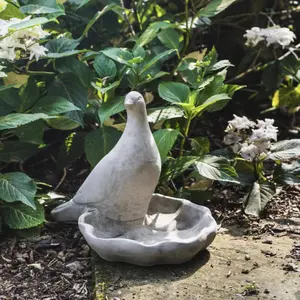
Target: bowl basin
{"type": "Point", "coordinates": [174, 231]}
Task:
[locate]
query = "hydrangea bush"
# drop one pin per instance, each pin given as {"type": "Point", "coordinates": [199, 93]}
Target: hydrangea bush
{"type": "Point", "coordinates": [254, 143]}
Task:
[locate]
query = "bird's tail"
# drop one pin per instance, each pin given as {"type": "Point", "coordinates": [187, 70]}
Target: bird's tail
{"type": "Point", "coordinates": [68, 212]}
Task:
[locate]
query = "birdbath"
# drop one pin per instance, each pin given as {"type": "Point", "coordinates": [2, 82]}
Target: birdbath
{"type": "Point", "coordinates": [121, 217]}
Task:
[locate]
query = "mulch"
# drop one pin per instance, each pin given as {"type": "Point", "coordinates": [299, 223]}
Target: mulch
{"type": "Point", "coordinates": [54, 266]}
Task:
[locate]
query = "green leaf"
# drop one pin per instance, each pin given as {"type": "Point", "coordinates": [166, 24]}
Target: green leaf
{"type": "Point", "coordinates": [151, 32]}
{"type": "Point", "coordinates": [216, 168]}
{"type": "Point", "coordinates": [41, 7]}
{"type": "Point", "coordinates": [10, 97]}
{"type": "Point", "coordinates": [29, 23]}
{"type": "Point", "coordinates": [258, 197]}
{"type": "Point", "coordinates": [62, 47]}
{"type": "Point", "coordinates": [17, 186]}
{"type": "Point", "coordinates": [70, 87]}
{"type": "Point", "coordinates": [11, 11]}
{"type": "Point", "coordinates": [3, 5]}
{"type": "Point", "coordinates": [62, 123]}
{"type": "Point", "coordinates": [71, 149]}
{"type": "Point", "coordinates": [213, 103]}
{"type": "Point", "coordinates": [174, 92]}
{"type": "Point", "coordinates": [150, 78]}
{"type": "Point", "coordinates": [287, 96]}
{"type": "Point", "coordinates": [54, 105]}
{"type": "Point", "coordinates": [285, 150]}
{"type": "Point", "coordinates": [14, 151]}
{"type": "Point", "coordinates": [287, 174]}
{"type": "Point", "coordinates": [165, 139]}
{"type": "Point", "coordinates": [154, 60]}
{"type": "Point", "coordinates": [200, 145]}
{"type": "Point", "coordinates": [170, 38]}
{"type": "Point", "coordinates": [222, 64]}
{"type": "Point", "coordinates": [99, 142]}
{"type": "Point", "coordinates": [110, 108]}
{"type": "Point", "coordinates": [164, 113]}
{"type": "Point", "coordinates": [172, 168]}
{"type": "Point", "coordinates": [246, 172]}
{"type": "Point", "coordinates": [120, 55]}
{"type": "Point", "coordinates": [73, 65]}
{"type": "Point", "coordinates": [21, 216]}
{"type": "Point", "coordinates": [16, 120]}
{"type": "Point", "coordinates": [29, 95]}
{"type": "Point", "coordinates": [31, 133]}
{"type": "Point", "coordinates": [105, 67]}
{"type": "Point", "coordinates": [214, 7]}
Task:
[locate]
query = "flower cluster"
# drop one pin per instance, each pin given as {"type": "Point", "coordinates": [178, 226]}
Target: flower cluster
{"type": "Point", "coordinates": [250, 139]}
{"type": "Point", "coordinates": [25, 39]}
{"type": "Point", "coordinates": [273, 35]}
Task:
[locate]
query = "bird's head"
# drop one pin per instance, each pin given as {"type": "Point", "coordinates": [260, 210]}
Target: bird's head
{"type": "Point", "coordinates": [134, 101]}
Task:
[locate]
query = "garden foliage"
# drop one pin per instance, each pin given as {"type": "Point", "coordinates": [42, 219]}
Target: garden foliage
{"type": "Point", "coordinates": [65, 68]}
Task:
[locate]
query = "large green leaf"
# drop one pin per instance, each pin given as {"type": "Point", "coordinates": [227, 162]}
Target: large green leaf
{"type": "Point", "coordinates": [41, 7]}
{"type": "Point", "coordinates": [173, 168]}
{"type": "Point", "coordinates": [287, 173]}
{"type": "Point", "coordinates": [29, 95]}
{"type": "Point", "coordinates": [151, 32]}
{"type": "Point", "coordinates": [29, 23]}
{"type": "Point", "coordinates": [31, 133]}
{"type": "Point", "coordinates": [214, 7]}
{"type": "Point", "coordinates": [11, 11]}
{"type": "Point", "coordinates": [111, 107]}
{"type": "Point", "coordinates": [73, 65]}
{"type": "Point", "coordinates": [164, 113]}
{"type": "Point", "coordinates": [259, 195]}
{"type": "Point", "coordinates": [17, 186]}
{"type": "Point", "coordinates": [246, 172]}
{"type": "Point", "coordinates": [70, 87]}
{"type": "Point", "coordinates": [62, 123]}
{"type": "Point", "coordinates": [21, 216]}
{"type": "Point", "coordinates": [14, 151]}
{"type": "Point", "coordinates": [120, 55]}
{"type": "Point", "coordinates": [148, 64]}
{"type": "Point", "coordinates": [62, 47]}
{"type": "Point", "coordinates": [170, 38]}
{"type": "Point", "coordinates": [211, 104]}
{"type": "Point", "coordinates": [54, 105]}
{"type": "Point", "coordinates": [99, 142]}
{"type": "Point", "coordinates": [165, 139]}
{"type": "Point", "coordinates": [16, 120]}
{"type": "Point", "coordinates": [10, 97]}
{"type": "Point", "coordinates": [105, 67]}
{"type": "Point", "coordinates": [216, 168]}
{"type": "Point", "coordinates": [284, 150]}
{"type": "Point", "coordinates": [174, 92]}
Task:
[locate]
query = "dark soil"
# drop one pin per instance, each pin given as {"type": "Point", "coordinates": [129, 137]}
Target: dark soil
{"type": "Point", "coordinates": [54, 266]}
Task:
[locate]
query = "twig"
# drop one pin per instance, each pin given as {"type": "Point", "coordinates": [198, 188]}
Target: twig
{"type": "Point", "coordinates": [62, 180]}
{"type": "Point", "coordinates": [126, 17]}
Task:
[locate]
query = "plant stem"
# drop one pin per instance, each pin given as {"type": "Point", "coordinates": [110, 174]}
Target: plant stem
{"type": "Point", "coordinates": [185, 135]}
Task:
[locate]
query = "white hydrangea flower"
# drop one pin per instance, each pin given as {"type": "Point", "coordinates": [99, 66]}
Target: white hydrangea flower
{"type": "Point", "coordinates": [232, 138]}
{"type": "Point", "coordinates": [37, 51]}
{"type": "Point", "coordinates": [249, 151]}
{"type": "Point", "coordinates": [2, 74]}
{"type": "Point", "coordinates": [250, 145]}
{"type": "Point", "coordinates": [276, 35]}
{"type": "Point", "coordinates": [26, 39]}
{"type": "Point", "coordinates": [239, 123]}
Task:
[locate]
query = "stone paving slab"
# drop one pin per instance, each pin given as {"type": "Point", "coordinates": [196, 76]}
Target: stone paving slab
{"type": "Point", "coordinates": [231, 267]}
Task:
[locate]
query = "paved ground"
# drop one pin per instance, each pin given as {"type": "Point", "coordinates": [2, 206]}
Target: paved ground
{"type": "Point", "coordinates": [234, 267]}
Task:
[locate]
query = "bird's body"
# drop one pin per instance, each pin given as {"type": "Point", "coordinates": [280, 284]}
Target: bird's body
{"type": "Point", "coordinates": [120, 187]}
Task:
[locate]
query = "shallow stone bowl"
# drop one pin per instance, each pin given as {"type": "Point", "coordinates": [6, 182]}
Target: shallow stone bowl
{"type": "Point", "coordinates": [173, 232]}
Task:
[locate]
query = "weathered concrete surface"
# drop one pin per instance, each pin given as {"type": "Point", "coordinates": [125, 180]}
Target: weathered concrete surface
{"type": "Point", "coordinates": [213, 275]}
